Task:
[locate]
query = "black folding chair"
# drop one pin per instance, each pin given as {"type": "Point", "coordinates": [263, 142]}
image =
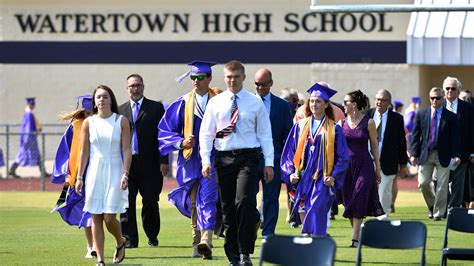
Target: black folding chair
{"type": "Point", "coordinates": [461, 220]}
{"type": "Point", "coordinates": [298, 250]}
{"type": "Point", "coordinates": [392, 235]}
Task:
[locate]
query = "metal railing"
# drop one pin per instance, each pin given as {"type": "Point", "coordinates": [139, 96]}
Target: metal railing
{"type": "Point", "coordinates": [47, 141]}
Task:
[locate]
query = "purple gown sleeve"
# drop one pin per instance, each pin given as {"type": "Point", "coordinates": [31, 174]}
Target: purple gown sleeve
{"type": "Point", "coordinates": [170, 128]}
{"type": "Point", "coordinates": [286, 163]}
{"type": "Point", "coordinates": [341, 159]}
{"type": "Point", "coordinates": [61, 160]}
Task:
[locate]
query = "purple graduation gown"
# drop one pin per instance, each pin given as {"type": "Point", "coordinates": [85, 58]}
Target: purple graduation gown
{"type": "Point", "coordinates": [318, 197]}
{"type": "Point", "coordinates": [29, 151]}
{"type": "Point", "coordinates": [188, 171]}
{"type": "Point", "coordinates": [2, 161]}
{"type": "Point", "coordinates": [72, 212]}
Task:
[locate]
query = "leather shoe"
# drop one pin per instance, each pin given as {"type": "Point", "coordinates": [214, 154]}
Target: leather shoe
{"type": "Point", "coordinates": [245, 260]}
{"type": "Point", "coordinates": [129, 244]}
{"type": "Point", "coordinates": [153, 243]}
{"type": "Point", "coordinates": [234, 263]}
{"type": "Point", "coordinates": [436, 218]}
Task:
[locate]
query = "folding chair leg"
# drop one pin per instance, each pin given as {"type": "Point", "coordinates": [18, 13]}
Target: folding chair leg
{"type": "Point", "coordinates": [443, 260]}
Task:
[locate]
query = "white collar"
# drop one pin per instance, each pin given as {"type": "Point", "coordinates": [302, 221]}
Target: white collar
{"type": "Point", "coordinates": [139, 102]}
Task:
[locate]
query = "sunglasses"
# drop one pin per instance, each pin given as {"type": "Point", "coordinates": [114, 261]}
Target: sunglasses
{"type": "Point", "coordinates": [198, 77]}
{"type": "Point", "coordinates": [263, 84]}
{"type": "Point", "coordinates": [345, 102]}
{"type": "Point", "coordinates": [450, 88]}
{"type": "Point", "coordinates": [436, 98]}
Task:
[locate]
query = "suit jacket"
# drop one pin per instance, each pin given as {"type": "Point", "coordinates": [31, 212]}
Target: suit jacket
{"type": "Point", "coordinates": [448, 141]}
{"type": "Point", "coordinates": [281, 121]}
{"type": "Point", "coordinates": [465, 117]}
{"type": "Point", "coordinates": [149, 157]}
{"type": "Point", "coordinates": [394, 145]}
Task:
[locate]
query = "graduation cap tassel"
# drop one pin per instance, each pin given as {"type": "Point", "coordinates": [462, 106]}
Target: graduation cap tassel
{"type": "Point", "coordinates": [179, 79]}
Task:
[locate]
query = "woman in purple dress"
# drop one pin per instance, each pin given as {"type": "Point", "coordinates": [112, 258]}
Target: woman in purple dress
{"type": "Point", "coordinates": [359, 194]}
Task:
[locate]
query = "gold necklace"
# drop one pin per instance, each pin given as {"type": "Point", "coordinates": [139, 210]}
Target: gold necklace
{"type": "Point", "coordinates": [355, 122]}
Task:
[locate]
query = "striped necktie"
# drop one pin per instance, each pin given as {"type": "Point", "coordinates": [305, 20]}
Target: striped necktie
{"type": "Point", "coordinates": [234, 115]}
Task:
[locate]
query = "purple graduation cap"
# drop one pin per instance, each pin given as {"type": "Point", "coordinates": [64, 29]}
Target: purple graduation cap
{"type": "Point", "coordinates": [397, 103]}
{"type": "Point", "coordinates": [201, 67]}
{"type": "Point", "coordinates": [416, 99]}
{"type": "Point", "coordinates": [197, 67]}
{"type": "Point", "coordinates": [86, 101]}
{"type": "Point", "coordinates": [30, 100]}
{"type": "Point", "coordinates": [321, 91]}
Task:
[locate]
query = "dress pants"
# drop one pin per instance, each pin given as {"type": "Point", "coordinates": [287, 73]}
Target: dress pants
{"type": "Point", "coordinates": [385, 192]}
{"type": "Point", "coordinates": [436, 200]}
{"type": "Point", "coordinates": [237, 180]}
{"type": "Point", "coordinates": [150, 210]}
{"type": "Point", "coordinates": [271, 196]}
{"type": "Point", "coordinates": [457, 178]}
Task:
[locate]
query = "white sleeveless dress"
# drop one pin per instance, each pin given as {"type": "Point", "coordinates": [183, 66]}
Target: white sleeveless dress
{"type": "Point", "coordinates": [103, 192]}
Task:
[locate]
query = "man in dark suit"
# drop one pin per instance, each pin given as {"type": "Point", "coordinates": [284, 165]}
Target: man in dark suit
{"type": "Point", "coordinates": [281, 121]}
{"type": "Point", "coordinates": [392, 146]}
{"type": "Point", "coordinates": [435, 145]}
{"type": "Point", "coordinates": [465, 116]}
{"type": "Point", "coordinates": [148, 166]}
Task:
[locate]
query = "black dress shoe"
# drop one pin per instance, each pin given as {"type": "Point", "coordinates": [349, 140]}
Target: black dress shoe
{"type": "Point", "coordinates": [153, 242]}
{"type": "Point", "coordinates": [234, 263]}
{"type": "Point", "coordinates": [436, 218]}
{"type": "Point", "coordinates": [245, 260]}
{"type": "Point", "coordinates": [128, 244]}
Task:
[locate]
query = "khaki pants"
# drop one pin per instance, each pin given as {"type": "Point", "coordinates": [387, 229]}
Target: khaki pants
{"type": "Point", "coordinates": [198, 235]}
{"type": "Point", "coordinates": [385, 192]}
{"type": "Point", "coordinates": [434, 199]}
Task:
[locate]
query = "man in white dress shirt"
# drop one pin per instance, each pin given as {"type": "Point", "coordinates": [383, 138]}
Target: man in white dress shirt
{"type": "Point", "coordinates": [237, 124]}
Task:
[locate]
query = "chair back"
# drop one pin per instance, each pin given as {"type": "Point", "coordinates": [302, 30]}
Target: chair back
{"type": "Point", "coordinates": [298, 250]}
{"type": "Point", "coordinates": [461, 219]}
{"type": "Point", "coordinates": [392, 235]}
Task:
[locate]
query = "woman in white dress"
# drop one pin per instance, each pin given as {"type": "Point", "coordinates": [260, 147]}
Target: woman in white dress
{"type": "Point", "coordinates": [106, 148]}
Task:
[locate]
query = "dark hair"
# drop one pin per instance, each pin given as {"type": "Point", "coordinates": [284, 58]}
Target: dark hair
{"type": "Point", "coordinates": [359, 98]}
{"type": "Point", "coordinates": [113, 107]}
{"type": "Point", "coordinates": [234, 65]}
{"type": "Point", "coordinates": [329, 112]}
{"type": "Point", "coordinates": [135, 76]}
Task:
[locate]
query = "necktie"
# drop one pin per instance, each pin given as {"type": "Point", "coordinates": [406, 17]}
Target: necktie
{"type": "Point", "coordinates": [379, 128]}
{"type": "Point", "coordinates": [234, 115]}
{"type": "Point", "coordinates": [136, 110]}
{"type": "Point", "coordinates": [432, 139]}
{"type": "Point", "coordinates": [449, 105]}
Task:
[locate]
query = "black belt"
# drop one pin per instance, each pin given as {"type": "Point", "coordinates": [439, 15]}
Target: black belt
{"type": "Point", "coordinates": [240, 151]}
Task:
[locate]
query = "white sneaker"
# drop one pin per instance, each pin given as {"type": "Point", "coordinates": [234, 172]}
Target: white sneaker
{"type": "Point", "coordinates": [91, 253]}
{"type": "Point", "coordinates": [196, 252]}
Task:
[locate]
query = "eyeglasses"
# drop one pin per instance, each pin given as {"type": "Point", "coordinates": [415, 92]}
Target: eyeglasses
{"type": "Point", "coordinates": [345, 102]}
{"type": "Point", "coordinates": [450, 88]}
{"type": "Point", "coordinates": [198, 77]}
{"type": "Point", "coordinates": [437, 98]}
{"type": "Point", "coordinates": [135, 86]}
{"type": "Point", "coordinates": [263, 84]}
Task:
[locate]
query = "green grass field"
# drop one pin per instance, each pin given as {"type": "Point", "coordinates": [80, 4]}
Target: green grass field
{"type": "Point", "coordinates": [29, 234]}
